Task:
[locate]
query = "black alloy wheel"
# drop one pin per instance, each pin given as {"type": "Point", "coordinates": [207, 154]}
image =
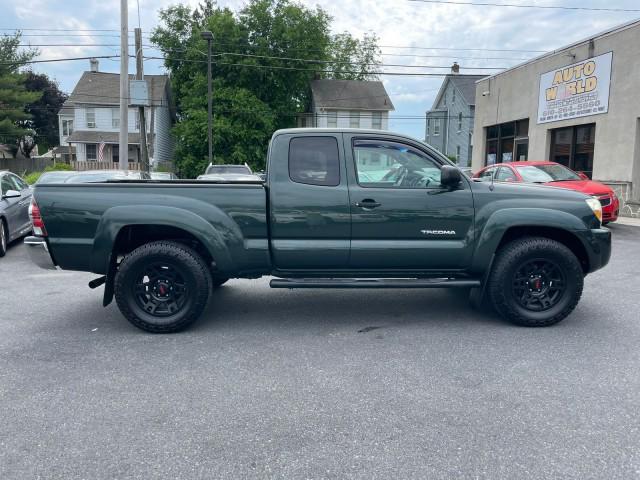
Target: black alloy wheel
{"type": "Point", "coordinates": [161, 289]}
{"type": "Point", "coordinates": [538, 285]}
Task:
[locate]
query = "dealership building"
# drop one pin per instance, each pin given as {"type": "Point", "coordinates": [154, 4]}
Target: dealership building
{"type": "Point", "coordinates": [578, 105]}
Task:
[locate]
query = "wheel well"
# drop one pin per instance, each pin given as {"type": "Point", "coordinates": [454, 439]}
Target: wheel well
{"type": "Point", "coordinates": [563, 236]}
{"type": "Point", "coordinates": [131, 237]}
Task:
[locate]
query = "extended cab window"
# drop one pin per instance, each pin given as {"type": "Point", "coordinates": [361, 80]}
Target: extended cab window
{"type": "Point", "coordinates": [314, 161]}
{"type": "Point", "coordinates": [393, 165]}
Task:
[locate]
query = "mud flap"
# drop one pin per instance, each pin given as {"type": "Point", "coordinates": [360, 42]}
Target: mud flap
{"type": "Point", "coordinates": [110, 281]}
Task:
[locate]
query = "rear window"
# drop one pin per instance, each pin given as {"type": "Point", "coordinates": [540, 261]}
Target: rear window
{"type": "Point", "coordinates": [314, 161]}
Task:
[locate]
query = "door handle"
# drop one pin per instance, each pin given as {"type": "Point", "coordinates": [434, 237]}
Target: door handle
{"type": "Point", "coordinates": [368, 203]}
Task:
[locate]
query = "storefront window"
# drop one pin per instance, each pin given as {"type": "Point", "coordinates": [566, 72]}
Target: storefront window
{"type": "Point", "coordinates": [507, 142]}
{"type": "Point", "coordinates": [573, 147]}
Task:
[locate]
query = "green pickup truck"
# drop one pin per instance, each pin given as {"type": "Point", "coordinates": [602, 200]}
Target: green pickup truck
{"type": "Point", "coordinates": [339, 208]}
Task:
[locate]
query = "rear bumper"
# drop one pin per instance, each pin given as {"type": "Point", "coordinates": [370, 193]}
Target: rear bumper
{"type": "Point", "coordinates": [39, 252]}
{"type": "Point", "coordinates": [598, 248]}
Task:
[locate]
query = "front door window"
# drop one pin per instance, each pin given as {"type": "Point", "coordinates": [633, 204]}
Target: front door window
{"type": "Point", "coordinates": [392, 165]}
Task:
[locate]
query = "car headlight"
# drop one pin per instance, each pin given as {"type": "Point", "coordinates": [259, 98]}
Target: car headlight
{"type": "Point", "coordinates": [596, 207]}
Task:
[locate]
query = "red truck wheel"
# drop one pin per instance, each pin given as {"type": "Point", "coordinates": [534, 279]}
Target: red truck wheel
{"type": "Point", "coordinates": [535, 282]}
{"type": "Point", "coordinates": [162, 287]}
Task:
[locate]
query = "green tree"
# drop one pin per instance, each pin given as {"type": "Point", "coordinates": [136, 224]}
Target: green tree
{"type": "Point", "coordinates": [14, 96]}
{"type": "Point", "coordinates": [265, 57]}
{"type": "Point", "coordinates": [44, 111]}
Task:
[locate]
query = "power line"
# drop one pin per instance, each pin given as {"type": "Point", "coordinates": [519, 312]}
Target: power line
{"type": "Point", "coordinates": [63, 35]}
{"type": "Point", "coordinates": [517, 5]}
{"type": "Point", "coordinates": [248, 55]}
{"type": "Point", "coordinates": [466, 49]}
{"type": "Point", "coordinates": [50, 60]}
{"type": "Point", "coordinates": [276, 67]}
{"type": "Point", "coordinates": [182, 50]}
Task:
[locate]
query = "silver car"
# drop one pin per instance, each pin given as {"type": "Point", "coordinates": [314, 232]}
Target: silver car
{"type": "Point", "coordinates": [91, 176]}
{"type": "Point", "coordinates": [14, 209]}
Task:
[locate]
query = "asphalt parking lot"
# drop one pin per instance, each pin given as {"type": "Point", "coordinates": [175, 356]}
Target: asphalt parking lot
{"type": "Point", "coordinates": [318, 384]}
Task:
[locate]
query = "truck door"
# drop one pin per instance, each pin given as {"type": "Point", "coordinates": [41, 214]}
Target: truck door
{"type": "Point", "coordinates": [309, 202]}
{"type": "Point", "coordinates": [402, 218]}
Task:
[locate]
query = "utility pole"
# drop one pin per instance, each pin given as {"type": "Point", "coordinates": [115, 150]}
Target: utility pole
{"type": "Point", "coordinates": [208, 36]}
{"type": "Point", "coordinates": [143, 124]}
{"type": "Point", "coordinates": [123, 154]}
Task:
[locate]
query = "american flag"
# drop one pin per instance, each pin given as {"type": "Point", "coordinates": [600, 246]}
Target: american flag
{"type": "Point", "coordinates": [101, 152]}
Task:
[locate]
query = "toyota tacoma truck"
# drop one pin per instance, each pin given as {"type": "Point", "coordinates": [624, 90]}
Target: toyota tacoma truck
{"type": "Point", "coordinates": [339, 208]}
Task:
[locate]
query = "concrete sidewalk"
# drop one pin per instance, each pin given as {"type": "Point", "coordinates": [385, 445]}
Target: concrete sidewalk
{"type": "Point", "coordinates": [635, 222]}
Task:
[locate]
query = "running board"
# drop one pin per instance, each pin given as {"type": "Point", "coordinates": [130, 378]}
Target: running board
{"type": "Point", "coordinates": [372, 283]}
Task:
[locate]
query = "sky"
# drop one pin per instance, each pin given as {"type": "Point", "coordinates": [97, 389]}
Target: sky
{"type": "Point", "coordinates": [474, 36]}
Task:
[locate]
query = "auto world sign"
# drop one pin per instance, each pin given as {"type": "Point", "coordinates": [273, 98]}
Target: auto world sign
{"type": "Point", "coordinates": [577, 90]}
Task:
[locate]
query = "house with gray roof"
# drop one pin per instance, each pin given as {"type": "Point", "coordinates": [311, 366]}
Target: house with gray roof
{"type": "Point", "coordinates": [91, 116]}
{"type": "Point", "coordinates": [347, 104]}
{"type": "Point", "coordinates": [449, 127]}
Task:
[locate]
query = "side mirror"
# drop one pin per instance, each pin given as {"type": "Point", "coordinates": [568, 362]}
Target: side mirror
{"type": "Point", "coordinates": [450, 176]}
{"type": "Point", "coordinates": [11, 194]}
{"type": "Point", "coordinates": [583, 175]}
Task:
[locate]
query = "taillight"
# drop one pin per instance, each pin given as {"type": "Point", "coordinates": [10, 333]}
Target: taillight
{"type": "Point", "coordinates": [36, 219]}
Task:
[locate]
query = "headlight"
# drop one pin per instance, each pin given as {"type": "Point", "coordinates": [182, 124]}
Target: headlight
{"type": "Point", "coordinates": [594, 204]}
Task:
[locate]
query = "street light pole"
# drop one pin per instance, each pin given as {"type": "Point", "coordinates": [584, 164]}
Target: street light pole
{"type": "Point", "coordinates": [208, 36]}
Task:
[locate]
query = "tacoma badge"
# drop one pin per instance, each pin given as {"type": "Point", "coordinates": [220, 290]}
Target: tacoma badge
{"type": "Point", "coordinates": [438, 232]}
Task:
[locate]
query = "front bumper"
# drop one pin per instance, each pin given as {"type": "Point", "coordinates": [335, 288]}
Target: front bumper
{"type": "Point", "coordinates": [598, 248]}
{"type": "Point", "coordinates": [39, 252]}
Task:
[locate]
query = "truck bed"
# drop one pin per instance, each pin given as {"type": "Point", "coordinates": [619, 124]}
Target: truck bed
{"type": "Point", "coordinates": [81, 219]}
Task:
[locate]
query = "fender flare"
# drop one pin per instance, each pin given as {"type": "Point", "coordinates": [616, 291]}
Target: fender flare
{"type": "Point", "coordinates": [219, 237]}
{"type": "Point", "coordinates": [500, 221]}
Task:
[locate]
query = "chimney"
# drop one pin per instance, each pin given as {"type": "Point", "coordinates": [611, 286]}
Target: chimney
{"type": "Point", "coordinates": [94, 65]}
{"type": "Point", "coordinates": [455, 68]}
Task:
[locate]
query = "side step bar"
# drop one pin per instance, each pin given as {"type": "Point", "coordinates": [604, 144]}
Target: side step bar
{"type": "Point", "coordinates": [372, 283]}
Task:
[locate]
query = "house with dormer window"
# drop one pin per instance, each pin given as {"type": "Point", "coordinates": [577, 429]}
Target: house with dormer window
{"type": "Point", "coordinates": [91, 117]}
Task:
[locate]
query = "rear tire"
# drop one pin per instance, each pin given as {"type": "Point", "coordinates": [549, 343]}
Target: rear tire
{"type": "Point", "coordinates": [162, 287]}
{"type": "Point", "coordinates": [4, 238]}
{"type": "Point", "coordinates": [535, 282]}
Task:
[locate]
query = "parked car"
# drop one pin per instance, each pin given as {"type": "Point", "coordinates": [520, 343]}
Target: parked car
{"type": "Point", "coordinates": [415, 221]}
{"type": "Point", "coordinates": [163, 176]}
{"type": "Point", "coordinates": [58, 176]}
{"type": "Point", "coordinates": [555, 175]}
{"type": "Point", "coordinates": [228, 169]}
{"type": "Point", "coordinates": [91, 176]}
{"type": "Point", "coordinates": [230, 177]}
{"type": "Point", "coordinates": [15, 197]}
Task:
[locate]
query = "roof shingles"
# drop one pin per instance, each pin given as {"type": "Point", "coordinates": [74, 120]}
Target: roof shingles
{"type": "Point", "coordinates": [104, 89]}
{"type": "Point", "coordinates": [350, 94]}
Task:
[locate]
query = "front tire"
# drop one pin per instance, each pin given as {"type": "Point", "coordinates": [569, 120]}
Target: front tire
{"type": "Point", "coordinates": [162, 287]}
{"type": "Point", "coordinates": [4, 238]}
{"type": "Point", "coordinates": [535, 282]}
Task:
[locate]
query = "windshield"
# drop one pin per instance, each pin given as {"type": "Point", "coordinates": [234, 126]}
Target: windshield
{"type": "Point", "coordinates": [546, 173]}
{"type": "Point", "coordinates": [222, 169]}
